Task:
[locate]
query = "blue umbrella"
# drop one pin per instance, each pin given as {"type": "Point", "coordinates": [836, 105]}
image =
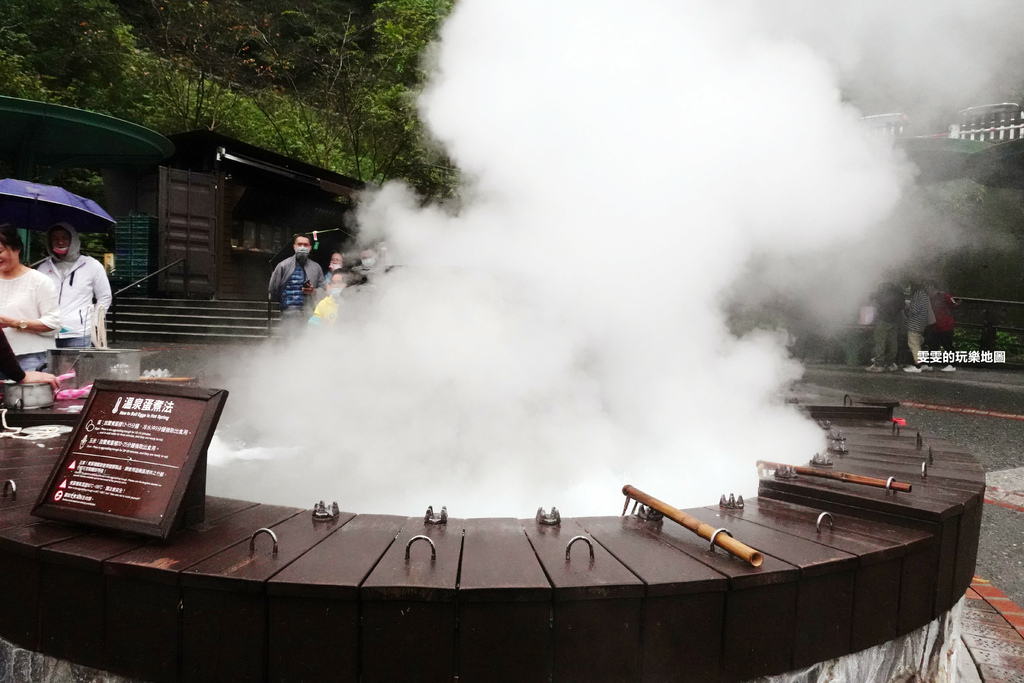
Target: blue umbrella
{"type": "Point", "coordinates": [33, 206]}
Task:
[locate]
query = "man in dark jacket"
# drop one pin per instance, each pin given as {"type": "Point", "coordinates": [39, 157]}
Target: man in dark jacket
{"type": "Point", "coordinates": [294, 280]}
{"type": "Point", "coordinates": [889, 304]}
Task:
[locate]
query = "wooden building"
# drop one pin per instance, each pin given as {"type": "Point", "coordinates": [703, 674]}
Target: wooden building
{"type": "Point", "coordinates": [229, 209]}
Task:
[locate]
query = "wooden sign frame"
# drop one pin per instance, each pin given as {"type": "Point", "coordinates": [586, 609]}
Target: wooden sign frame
{"type": "Point", "coordinates": [186, 503]}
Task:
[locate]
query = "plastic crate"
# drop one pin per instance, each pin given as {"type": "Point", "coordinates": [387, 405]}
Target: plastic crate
{"type": "Point", "coordinates": [135, 247]}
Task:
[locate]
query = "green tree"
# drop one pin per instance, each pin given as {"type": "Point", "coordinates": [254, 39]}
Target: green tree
{"type": "Point", "coordinates": [332, 82]}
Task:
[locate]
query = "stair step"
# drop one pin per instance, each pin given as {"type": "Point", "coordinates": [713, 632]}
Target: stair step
{"type": "Point", "coordinates": [207, 337]}
{"type": "Point", "coordinates": [174, 314]}
{"type": "Point", "coordinates": [190, 327]}
{"type": "Point", "coordinates": [194, 303]}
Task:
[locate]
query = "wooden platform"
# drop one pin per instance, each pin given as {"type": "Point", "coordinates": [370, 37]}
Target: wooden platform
{"type": "Point", "coordinates": [496, 599]}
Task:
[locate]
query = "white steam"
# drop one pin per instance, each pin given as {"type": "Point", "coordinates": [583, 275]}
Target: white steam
{"type": "Point", "coordinates": [927, 59]}
{"type": "Point", "coordinates": [561, 333]}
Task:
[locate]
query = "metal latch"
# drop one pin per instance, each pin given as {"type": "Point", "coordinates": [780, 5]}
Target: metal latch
{"type": "Point", "coordinates": [822, 460]}
{"type": "Point", "coordinates": [649, 514]}
{"type": "Point", "coordinates": [322, 514]}
{"type": "Point", "coordinates": [785, 472]}
{"type": "Point", "coordinates": [554, 519]}
{"type": "Point", "coordinates": [430, 518]}
{"type": "Point", "coordinates": [733, 503]}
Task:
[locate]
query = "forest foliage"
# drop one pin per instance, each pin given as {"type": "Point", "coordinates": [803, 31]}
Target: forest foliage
{"type": "Point", "coordinates": [330, 82]}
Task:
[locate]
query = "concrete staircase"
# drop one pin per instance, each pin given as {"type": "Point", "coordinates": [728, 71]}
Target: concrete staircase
{"type": "Point", "coordinates": [189, 321]}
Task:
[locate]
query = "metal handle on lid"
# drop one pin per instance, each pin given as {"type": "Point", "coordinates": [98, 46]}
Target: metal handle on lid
{"type": "Point", "coordinates": [433, 548]}
{"type": "Point", "coordinates": [14, 489]}
{"type": "Point", "coordinates": [888, 483]}
{"type": "Point", "coordinates": [924, 469]}
{"type": "Point", "coordinates": [847, 397]}
{"type": "Point", "coordinates": [719, 531]}
{"type": "Point", "coordinates": [264, 530]}
{"type": "Point", "coordinates": [568, 546]}
{"type": "Point", "coordinates": [822, 517]}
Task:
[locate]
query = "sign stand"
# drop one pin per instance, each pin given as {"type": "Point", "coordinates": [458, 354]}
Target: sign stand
{"type": "Point", "coordinates": [136, 461]}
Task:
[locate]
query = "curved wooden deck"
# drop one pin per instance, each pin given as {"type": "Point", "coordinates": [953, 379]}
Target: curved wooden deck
{"type": "Point", "coordinates": [340, 600]}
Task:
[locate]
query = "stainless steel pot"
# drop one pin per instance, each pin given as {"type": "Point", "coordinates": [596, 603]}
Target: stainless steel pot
{"type": "Point", "coordinates": [27, 396]}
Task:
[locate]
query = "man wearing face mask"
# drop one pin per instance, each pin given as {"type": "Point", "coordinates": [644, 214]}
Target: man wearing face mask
{"type": "Point", "coordinates": [367, 262]}
{"type": "Point", "coordinates": [80, 280]}
{"type": "Point", "coordinates": [294, 280]}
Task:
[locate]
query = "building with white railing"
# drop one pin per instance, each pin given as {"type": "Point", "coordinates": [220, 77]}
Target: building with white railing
{"type": "Point", "coordinates": [887, 124]}
{"type": "Point", "coordinates": [989, 123]}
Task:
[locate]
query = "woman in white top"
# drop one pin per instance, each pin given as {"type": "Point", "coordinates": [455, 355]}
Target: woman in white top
{"type": "Point", "coordinates": [28, 304]}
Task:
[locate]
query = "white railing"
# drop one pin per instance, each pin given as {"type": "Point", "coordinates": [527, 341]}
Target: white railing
{"type": "Point", "coordinates": [990, 123]}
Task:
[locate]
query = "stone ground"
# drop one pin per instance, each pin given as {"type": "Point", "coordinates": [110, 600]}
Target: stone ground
{"type": "Point", "coordinates": [993, 631]}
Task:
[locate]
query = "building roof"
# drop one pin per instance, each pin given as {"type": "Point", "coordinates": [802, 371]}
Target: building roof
{"type": "Point", "coordinates": [55, 136]}
{"type": "Point", "coordinates": [203, 150]}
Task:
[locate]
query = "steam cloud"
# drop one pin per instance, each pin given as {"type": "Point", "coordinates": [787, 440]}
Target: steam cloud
{"type": "Point", "coordinates": [561, 331]}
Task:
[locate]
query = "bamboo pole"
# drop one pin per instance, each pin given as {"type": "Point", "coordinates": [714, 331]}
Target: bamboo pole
{"type": "Point", "coordinates": [705, 531]}
{"type": "Point", "coordinates": [841, 476]}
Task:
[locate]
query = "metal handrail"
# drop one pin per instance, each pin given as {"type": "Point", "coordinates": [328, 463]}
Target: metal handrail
{"type": "Point", "coordinates": [990, 301]}
{"type": "Point", "coordinates": [112, 310]}
{"type": "Point", "coordinates": [143, 279]}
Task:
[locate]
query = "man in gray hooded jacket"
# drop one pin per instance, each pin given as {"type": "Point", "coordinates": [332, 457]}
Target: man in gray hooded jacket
{"type": "Point", "coordinates": [294, 281]}
{"type": "Point", "coordinates": [81, 284]}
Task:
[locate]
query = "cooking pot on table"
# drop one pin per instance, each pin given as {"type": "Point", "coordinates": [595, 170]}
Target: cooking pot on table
{"type": "Point", "coordinates": [27, 396]}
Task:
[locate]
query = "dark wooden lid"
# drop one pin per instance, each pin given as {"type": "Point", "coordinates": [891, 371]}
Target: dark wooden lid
{"type": "Point", "coordinates": [89, 551]}
{"type": "Point", "coordinates": [813, 558]}
{"type": "Point", "coordinates": [419, 577]}
{"type": "Point", "coordinates": [336, 567]}
{"type": "Point", "coordinates": [802, 521]}
{"type": "Point", "coordinates": [499, 564]}
{"type": "Point", "coordinates": [162, 562]}
{"type": "Point", "coordinates": [740, 573]}
{"type": "Point", "coordinates": [247, 565]}
{"type": "Point", "coordinates": [27, 539]}
{"type": "Point", "coordinates": [579, 578]}
{"type": "Point", "coordinates": [867, 497]}
{"type": "Point", "coordinates": [664, 569]}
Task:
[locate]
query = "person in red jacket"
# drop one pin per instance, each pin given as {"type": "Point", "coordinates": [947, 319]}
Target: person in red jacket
{"type": "Point", "coordinates": [941, 332]}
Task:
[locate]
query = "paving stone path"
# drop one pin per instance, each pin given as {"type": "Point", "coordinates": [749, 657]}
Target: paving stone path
{"type": "Point", "coordinates": [993, 631]}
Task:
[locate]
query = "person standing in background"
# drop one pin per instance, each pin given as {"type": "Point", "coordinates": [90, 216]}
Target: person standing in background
{"type": "Point", "coordinates": [28, 304]}
{"type": "Point", "coordinates": [941, 332]}
{"type": "Point", "coordinates": [336, 264]}
{"type": "Point", "coordinates": [919, 318]}
{"type": "Point", "coordinates": [889, 305]}
{"type": "Point", "coordinates": [294, 281]}
{"type": "Point", "coordinates": [81, 283]}
{"type": "Point", "coordinates": [326, 312]}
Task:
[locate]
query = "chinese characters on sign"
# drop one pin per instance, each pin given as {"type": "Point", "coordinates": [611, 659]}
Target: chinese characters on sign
{"type": "Point", "coordinates": [961, 356]}
{"type": "Point", "coordinates": [132, 456]}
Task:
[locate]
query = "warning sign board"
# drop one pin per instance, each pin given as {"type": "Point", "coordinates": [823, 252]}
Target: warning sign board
{"type": "Point", "coordinates": [137, 459]}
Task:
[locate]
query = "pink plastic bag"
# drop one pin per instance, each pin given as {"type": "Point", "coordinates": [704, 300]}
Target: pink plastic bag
{"type": "Point", "coordinates": [71, 394]}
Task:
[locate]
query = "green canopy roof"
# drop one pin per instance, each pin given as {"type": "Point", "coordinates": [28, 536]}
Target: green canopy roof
{"type": "Point", "coordinates": [51, 135]}
{"type": "Point", "coordinates": [1000, 164]}
{"type": "Point", "coordinates": [942, 158]}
